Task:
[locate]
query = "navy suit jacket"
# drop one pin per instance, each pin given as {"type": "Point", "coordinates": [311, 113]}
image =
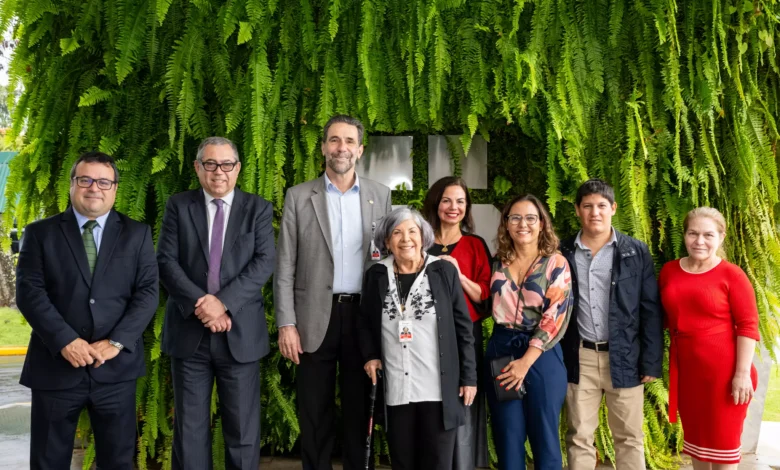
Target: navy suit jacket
{"type": "Point", "coordinates": [248, 258]}
{"type": "Point", "coordinates": [62, 301]}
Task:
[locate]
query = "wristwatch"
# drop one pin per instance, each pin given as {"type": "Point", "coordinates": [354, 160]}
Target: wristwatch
{"type": "Point", "coordinates": [119, 346]}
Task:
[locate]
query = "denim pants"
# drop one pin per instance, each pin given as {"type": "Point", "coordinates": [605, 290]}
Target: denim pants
{"type": "Point", "coordinates": [537, 415]}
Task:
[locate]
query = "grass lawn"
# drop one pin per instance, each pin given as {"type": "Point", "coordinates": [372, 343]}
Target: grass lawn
{"type": "Point", "coordinates": [14, 331]}
{"type": "Point", "coordinates": [772, 405]}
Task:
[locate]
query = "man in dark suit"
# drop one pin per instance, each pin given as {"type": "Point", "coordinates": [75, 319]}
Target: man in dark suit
{"type": "Point", "coordinates": [216, 251]}
{"type": "Point", "coordinates": [87, 284]}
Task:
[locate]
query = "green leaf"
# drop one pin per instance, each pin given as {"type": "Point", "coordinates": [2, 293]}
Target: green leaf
{"type": "Point", "coordinates": [93, 95]}
{"type": "Point", "coordinates": [244, 32]}
{"type": "Point", "coordinates": [68, 45]}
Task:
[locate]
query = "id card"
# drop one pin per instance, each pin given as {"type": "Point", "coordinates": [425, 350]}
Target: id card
{"type": "Point", "coordinates": [375, 255]}
{"type": "Point", "coordinates": [405, 334]}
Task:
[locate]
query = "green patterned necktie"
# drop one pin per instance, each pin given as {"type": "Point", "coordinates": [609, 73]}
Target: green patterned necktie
{"type": "Point", "coordinates": [89, 244]}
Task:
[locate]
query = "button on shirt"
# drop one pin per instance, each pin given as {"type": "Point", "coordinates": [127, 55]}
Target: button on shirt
{"type": "Point", "coordinates": [211, 212]}
{"type": "Point", "coordinates": [346, 233]}
{"type": "Point", "coordinates": [97, 230]}
{"type": "Point", "coordinates": [594, 276]}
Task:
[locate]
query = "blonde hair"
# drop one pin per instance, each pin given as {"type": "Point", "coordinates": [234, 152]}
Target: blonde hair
{"type": "Point", "coordinates": [548, 241]}
{"type": "Point", "coordinates": [714, 215]}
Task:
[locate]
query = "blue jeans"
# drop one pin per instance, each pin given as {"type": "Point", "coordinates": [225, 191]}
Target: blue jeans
{"type": "Point", "coordinates": [537, 415]}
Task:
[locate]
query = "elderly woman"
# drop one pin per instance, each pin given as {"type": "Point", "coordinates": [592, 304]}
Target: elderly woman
{"type": "Point", "coordinates": [713, 323]}
{"type": "Point", "coordinates": [448, 208]}
{"type": "Point", "coordinates": [532, 302]}
{"type": "Point", "coordinates": [415, 326]}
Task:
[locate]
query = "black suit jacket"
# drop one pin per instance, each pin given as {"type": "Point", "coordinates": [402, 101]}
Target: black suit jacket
{"type": "Point", "coordinates": [62, 301]}
{"type": "Point", "coordinates": [248, 259]}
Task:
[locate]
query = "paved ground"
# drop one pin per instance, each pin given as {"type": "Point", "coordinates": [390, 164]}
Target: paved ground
{"type": "Point", "coordinates": [15, 429]}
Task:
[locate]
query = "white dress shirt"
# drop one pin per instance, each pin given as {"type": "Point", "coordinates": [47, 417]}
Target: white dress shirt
{"type": "Point", "coordinates": [211, 212]}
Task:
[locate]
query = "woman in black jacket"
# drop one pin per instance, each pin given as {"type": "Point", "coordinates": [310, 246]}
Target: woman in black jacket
{"type": "Point", "coordinates": [415, 325]}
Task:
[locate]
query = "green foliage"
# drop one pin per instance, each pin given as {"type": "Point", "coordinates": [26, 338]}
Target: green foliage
{"type": "Point", "coordinates": [673, 101]}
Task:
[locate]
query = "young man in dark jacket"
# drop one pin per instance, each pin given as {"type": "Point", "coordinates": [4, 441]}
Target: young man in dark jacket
{"type": "Point", "coordinates": [615, 342]}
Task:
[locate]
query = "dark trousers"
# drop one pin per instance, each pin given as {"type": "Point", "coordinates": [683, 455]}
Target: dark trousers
{"type": "Point", "coordinates": [417, 439]}
{"type": "Point", "coordinates": [55, 415]}
{"type": "Point", "coordinates": [238, 389]}
{"type": "Point", "coordinates": [471, 448]}
{"type": "Point", "coordinates": [537, 415]}
{"type": "Point", "coordinates": [316, 383]}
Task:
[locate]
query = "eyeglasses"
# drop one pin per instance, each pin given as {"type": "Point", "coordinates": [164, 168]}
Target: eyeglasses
{"type": "Point", "coordinates": [86, 182]}
{"type": "Point", "coordinates": [227, 167]}
{"type": "Point", "coordinates": [530, 219]}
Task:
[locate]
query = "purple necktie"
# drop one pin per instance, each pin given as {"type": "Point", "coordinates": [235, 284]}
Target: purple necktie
{"type": "Point", "coordinates": [215, 251]}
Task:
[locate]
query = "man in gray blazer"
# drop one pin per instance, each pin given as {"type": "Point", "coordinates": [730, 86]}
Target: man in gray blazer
{"type": "Point", "coordinates": [216, 251]}
{"type": "Point", "coordinates": [325, 245]}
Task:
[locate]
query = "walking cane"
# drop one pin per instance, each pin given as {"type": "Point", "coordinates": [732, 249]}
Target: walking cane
{"type": "Point", "coordinates": [371, 417]}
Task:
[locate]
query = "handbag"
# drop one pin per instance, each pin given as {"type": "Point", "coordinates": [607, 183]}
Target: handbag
{"type": "Point", "coordinates": [496, 366]}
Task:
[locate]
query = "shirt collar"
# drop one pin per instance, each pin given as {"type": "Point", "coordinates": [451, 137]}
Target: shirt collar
{"type": "Point", "coordinates": [578, 241]}
{"type": "Point", "coordinates": [228, 199]}
{"type": "Point", "coordinates": [329, 186]}
{"type": "Point", "coordinates": [82, 219]}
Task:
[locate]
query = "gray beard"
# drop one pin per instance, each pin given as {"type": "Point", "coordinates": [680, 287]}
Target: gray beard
{"type": "Point", "coordinates": [333, 165]}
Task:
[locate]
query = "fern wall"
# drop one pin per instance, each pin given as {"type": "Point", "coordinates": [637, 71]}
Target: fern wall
{"type": "Point", "coordinates": [675, 102]}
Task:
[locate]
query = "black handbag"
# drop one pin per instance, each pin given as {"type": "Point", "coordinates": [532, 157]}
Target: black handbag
{"type": "Point", "coordinates": [496, 366]}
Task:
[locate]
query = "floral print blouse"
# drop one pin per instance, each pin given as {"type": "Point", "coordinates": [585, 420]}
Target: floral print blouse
{"type": "Point", "coordinates": [541, 307]}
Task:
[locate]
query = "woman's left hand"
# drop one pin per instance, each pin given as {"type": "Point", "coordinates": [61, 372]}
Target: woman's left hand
{"type": "Point", "coordinates": [514, 374]}
{"type": "Point", "coordinates": [741, 388]}
{"type": "Point", "coordinates": [468, 394]}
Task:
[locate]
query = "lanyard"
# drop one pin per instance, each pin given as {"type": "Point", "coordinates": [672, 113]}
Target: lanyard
{"type": "Point", "coordinates": [401, 297]}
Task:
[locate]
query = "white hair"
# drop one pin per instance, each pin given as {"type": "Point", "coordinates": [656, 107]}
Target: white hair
{"type": "Point", "coordinates": [388, 223]}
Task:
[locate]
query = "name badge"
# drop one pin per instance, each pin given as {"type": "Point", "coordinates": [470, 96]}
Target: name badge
{"type": "Point", "coordinates": [375, 255]}
{"type": "Point", "coordinates": [405, 334]}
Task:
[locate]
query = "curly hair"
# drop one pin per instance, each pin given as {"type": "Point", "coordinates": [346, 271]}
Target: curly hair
{"type": "Point", "coordinates": [430, 208]}
{"type": "Point", "coordinates": [548, 240]}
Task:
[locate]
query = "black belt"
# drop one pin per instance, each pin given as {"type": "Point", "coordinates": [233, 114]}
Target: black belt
{"type": "Point", "coordinates": [598, 347]}
{"type": "Point", "coordinates": [346, 298]}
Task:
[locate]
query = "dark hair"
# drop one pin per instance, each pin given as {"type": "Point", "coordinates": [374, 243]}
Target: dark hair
{"type": "Point", "coordinates": [430, 208]}
{"type": "Point", "coordinates": [548, 241]}
{"type": "Point", "coordinates": [343, 118]}
{"type": "Point", "coordinates": [595, 186]}
{"type": "Point", "coordinates": [95, 157]}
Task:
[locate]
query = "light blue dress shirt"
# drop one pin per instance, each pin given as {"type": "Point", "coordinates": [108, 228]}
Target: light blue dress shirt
{"type": "Point", "coordinates": [97, 231]}
{"type": "Point", "coordinates": [346, 232]}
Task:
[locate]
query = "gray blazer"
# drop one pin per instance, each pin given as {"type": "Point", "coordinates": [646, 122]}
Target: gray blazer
{"type": "Point", "coordinates": [303, 280]}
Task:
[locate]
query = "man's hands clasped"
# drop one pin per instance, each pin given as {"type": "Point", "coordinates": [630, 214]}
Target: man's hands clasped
{"type": "Point", "coordinates": [211, 311]}
{"type": "Point", "coordinates": [80, 353]}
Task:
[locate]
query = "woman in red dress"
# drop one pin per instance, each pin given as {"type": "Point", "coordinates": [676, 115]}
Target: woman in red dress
{"type": "Point", "coordinates": [448, 209]}
{"type": "Point", "coordinates": [713, 323]}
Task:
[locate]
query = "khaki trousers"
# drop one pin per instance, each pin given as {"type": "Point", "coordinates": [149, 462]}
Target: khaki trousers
{"type": "Point", "coordinates": [624, 411]}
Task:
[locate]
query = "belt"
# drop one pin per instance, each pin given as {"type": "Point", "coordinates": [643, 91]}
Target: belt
{"type": "Point", "coordinates": [598, 347]}
{"type": "Point", "coordinates": [346, 298]}
{"type": "Point", "coordinates": [675, 334]}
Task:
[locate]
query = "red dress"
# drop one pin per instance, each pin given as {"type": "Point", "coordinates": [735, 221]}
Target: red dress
{"type": "Point", "coordinates": [705, 314]}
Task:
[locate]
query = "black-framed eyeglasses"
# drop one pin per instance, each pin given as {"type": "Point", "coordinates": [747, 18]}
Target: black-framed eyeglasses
{"type": "Point", "coordinates": [227, 167]}
{"type": "Point", "coordinates": [86, 182]}
{"type": "Point", "coordinates": [530, 219]}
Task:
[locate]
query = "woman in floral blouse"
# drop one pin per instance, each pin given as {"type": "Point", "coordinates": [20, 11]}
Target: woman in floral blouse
{"type": "Point", "coordinates": [532, 300]}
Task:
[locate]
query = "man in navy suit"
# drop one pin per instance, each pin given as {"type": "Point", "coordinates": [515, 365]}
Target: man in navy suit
{"type": "Point", "coordinates": [216, 251]}
{"type": "Point", "coordinates": [87, 283]}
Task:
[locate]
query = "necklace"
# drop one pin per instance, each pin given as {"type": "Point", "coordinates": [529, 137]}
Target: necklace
{"type": "Point", "coordinates": [444, 245]}
{"type": "Point", "coordinates": [520, 287]}
{"type": "Point", "coordinates": [401, 296]}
